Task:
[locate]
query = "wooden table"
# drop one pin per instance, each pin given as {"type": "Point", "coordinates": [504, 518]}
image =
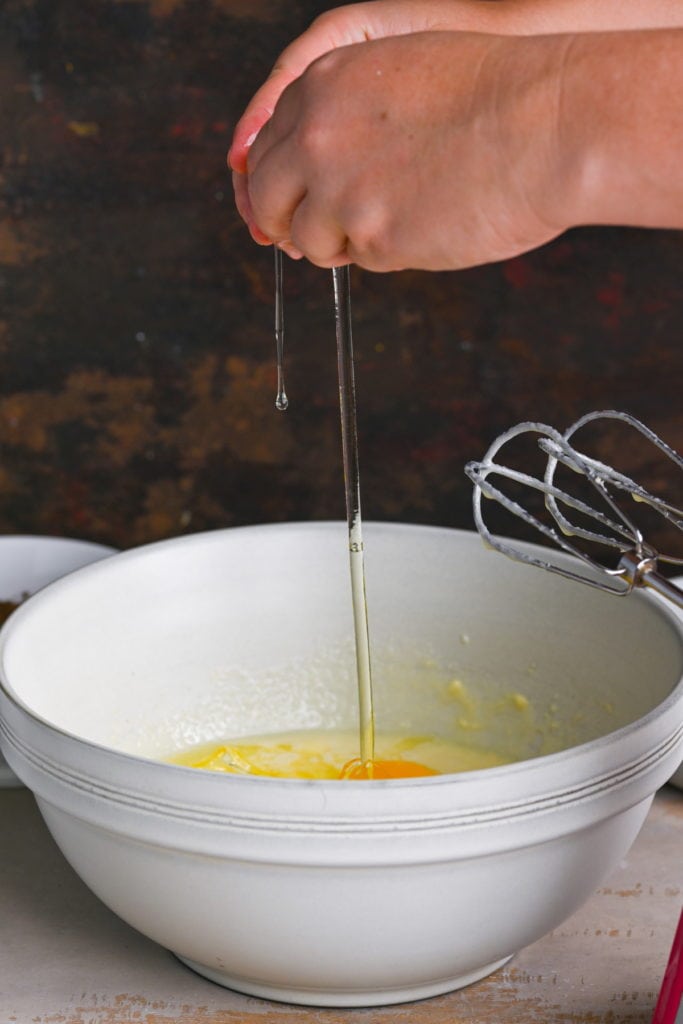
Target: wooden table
{"type": "Point", "coordinates": [66, 959]}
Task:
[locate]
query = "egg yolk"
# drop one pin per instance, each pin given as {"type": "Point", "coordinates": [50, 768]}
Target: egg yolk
{"type": "Point", "coordinates": [357, 769]}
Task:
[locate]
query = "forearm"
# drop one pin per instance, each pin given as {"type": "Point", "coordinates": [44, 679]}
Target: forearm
{"type": "Point", "coordinates": [536, 17]}
{"type": "Point", "coordinates": [507, 17]}
{"type": "Point", "coordinates": [621, 128]}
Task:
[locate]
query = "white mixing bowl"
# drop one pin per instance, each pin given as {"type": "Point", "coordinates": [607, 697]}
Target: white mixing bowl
{"type": "Point", "coordinates": [28, 563]}
{"type": "Point", "coordinates": [677, 777]}
{"type": "Point", "coordinates": [339, 893]}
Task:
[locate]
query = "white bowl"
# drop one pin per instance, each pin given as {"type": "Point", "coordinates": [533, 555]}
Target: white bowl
{"type": "Point", "coordinates": [338, 893]}
{"type": "Point", "coordinates": [28, 563]}
{"type": "Point", "coordinates": [677, 777]}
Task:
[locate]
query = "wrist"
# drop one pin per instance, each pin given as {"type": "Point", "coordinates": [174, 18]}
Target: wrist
{"type": "Point", "coordinates": [541, 139]}
{"type": "Point", "coordinates": [619, 135]}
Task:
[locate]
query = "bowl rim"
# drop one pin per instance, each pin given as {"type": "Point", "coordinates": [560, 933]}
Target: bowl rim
{"type": "Point", "coordinates": [497, 774]}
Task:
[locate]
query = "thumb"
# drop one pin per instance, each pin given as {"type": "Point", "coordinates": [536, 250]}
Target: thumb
{"type": "Point", "coordinates": [344, 26]}
{"type": "Point", "coordinates": [258, 111]}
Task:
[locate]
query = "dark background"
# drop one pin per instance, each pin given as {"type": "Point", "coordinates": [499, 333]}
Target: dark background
{"type": "Point", "coordinates": [137, 375]}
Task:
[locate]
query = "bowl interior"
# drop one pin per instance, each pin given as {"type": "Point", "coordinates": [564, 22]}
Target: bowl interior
{"type": "Point", "coordinates": [250, 631]}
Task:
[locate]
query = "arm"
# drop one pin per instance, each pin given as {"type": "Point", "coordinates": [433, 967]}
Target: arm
{"type": "Point", "coordinates": [542, 17]}
{"type": "Point", "coordinates": [377, 19]}
{"type": "Point", "coordinates": [447, 149]}
{"type": "Point", "coordinates": [623, 117]}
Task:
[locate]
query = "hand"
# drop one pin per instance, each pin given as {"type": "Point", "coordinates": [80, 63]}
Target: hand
{"type": "Point", "coordinates": [345, 26]}
{"type": "Point", "coordinates": [430, 151]}
{"type": "Point", "coordinates": [361, 22]}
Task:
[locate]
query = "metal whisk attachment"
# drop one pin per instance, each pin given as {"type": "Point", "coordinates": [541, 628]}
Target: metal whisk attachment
{"type": "Point", "coordinates": [571, 519]}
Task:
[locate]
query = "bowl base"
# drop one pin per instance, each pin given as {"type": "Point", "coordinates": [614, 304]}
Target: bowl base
{"type": "Point", "coordinates": [341, 998]}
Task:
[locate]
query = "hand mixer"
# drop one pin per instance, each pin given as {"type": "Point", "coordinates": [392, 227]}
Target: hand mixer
{"type": "Point", "coordinates": [571, 518]}
{"type": "Point", "coordinates": [613, 529]}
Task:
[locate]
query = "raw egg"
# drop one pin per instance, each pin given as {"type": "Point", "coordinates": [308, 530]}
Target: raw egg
{"type": "Point", "coordinates": [333, 754]}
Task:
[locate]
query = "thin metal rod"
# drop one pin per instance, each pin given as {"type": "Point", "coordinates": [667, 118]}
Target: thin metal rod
{"type": "Point", "coordinates": [643, 573]}
{"type": "Point", "coordinates": [664, 587]}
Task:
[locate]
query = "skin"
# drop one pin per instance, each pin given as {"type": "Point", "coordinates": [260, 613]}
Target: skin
{"type": "Point", "coordinates": [442, 134]}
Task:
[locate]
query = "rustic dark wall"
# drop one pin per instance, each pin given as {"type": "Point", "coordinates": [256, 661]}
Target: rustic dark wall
{"type": "Point", "coordinates": [136, 351]}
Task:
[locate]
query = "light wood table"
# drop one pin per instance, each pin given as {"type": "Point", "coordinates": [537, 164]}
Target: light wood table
{"type": "Point", "coordinates": [66, 959]}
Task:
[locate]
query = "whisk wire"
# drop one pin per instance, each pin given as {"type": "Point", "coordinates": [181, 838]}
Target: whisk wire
{"type": "Point", "coordinates": [600, 475]}
{"type": "Point", "coordinates": [627, 533]}
{"type": "Point", "coordinates": [483, 487]}
{"type": "Point", "coordinates": [614, 528]}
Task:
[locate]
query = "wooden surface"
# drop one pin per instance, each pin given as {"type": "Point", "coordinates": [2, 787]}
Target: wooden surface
{"type": "Point", "coordinates": [65, 959]}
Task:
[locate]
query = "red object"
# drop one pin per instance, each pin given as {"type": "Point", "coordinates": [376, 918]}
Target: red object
{"type": "Point", "coordinates": [669, 1009]}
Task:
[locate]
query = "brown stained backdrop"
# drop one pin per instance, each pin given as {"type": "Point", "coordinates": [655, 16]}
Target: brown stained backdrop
{"type": "Point", "coordinates": [136, 350]}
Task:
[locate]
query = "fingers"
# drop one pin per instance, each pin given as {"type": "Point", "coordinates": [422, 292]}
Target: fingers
{"type": "Point", "coordinates": [243, 204]}
{"type": "Point", "coordinates": [335, 28]}
{"type": "Point", "coordinates": [291, 63]}
{"type": "Point", "coordinates": [254, 118]}
{"type": "Point", "coordinates": [242, 184]}
{"type": "Point", "coordinates": [317, 235]}
{"type": "Point", "coordinates": [257, 113]}
{"type": "Point", "coordinates": [266, 198]}
{"type": "Point", "coordinates": [274, 189]}
{"type": "Point", "coordinates": [244, 208]}
{"type": "Point", "coordinates": [273, 221]}
{"type": "Point", "coordinates": [281, 208]}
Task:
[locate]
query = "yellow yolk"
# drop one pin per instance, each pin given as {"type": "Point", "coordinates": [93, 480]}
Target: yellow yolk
{"type": "Point", "coordinates": [333, 754]}
{"type": "Point", "coordinates": [358, 769]}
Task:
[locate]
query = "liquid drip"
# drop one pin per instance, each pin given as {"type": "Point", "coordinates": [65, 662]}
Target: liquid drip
{"type": "Point", "coordinates": [281, 400]}
{"type": "Point", "coordinates": [347, 407]}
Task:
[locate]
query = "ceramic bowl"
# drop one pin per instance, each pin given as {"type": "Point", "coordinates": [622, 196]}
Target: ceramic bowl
{"type": "Point", "coordinates": [28, 563]}
{"type": "Point", "coordinates": [677, 777]}
{"type": "Point", "coordinates": [339, 893]}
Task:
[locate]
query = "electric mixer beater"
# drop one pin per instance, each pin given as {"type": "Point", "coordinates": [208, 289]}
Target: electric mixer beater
{"type": "Point", "coordinates": [571, 519]}
{"type": "Point", "coordinates": [608, 527]}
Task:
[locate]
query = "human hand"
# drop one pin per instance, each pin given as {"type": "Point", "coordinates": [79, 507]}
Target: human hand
{"type": "Point", "coordinates": [345, 26]}
{"type": "Point", "coordinates": [431, 151]}
{"type": "Point", "coordinates": [361, 22]}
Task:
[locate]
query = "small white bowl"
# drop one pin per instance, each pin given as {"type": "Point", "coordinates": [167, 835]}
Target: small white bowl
{"type": "Point", "coordinates": [338, 893]}
{"type": "Point", "coordinates": [28, 563]}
